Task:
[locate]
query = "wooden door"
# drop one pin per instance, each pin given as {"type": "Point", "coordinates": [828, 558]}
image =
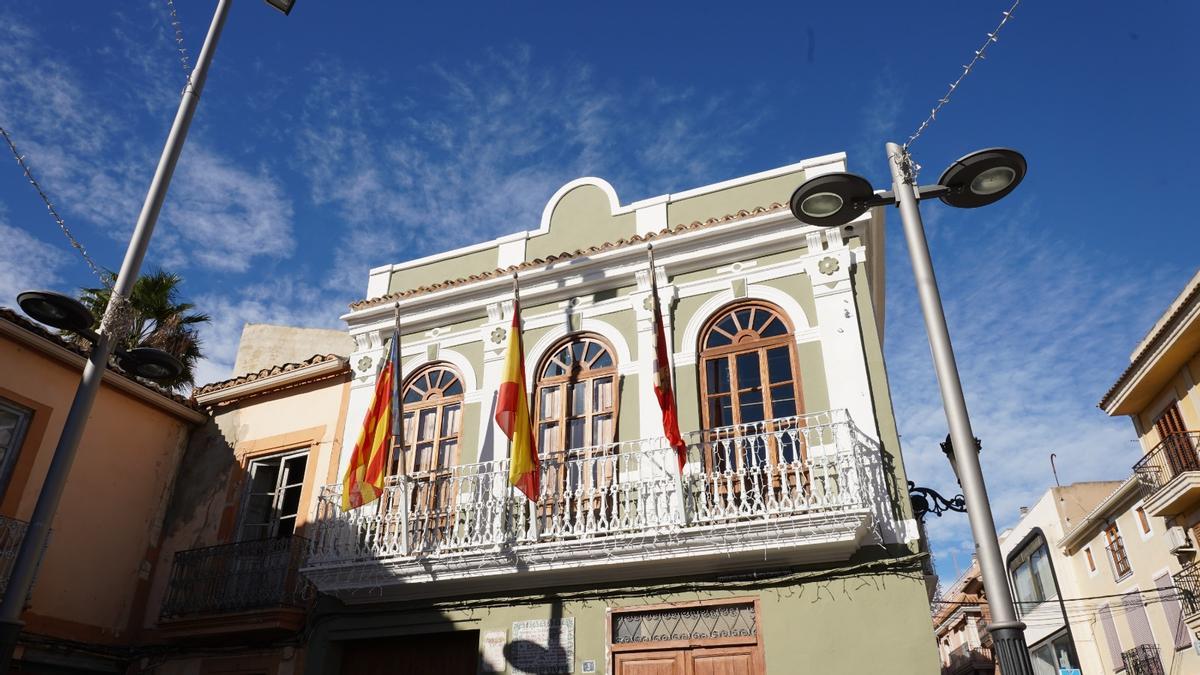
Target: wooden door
{"type": "Point", "coordinates": [652, 663]}
{"type": "Point", "coordinates": [693, 661]}
{"type": "Point", "coordinates": [724, 661]}
{"type": "Point", "coordinates": [1180, 454]}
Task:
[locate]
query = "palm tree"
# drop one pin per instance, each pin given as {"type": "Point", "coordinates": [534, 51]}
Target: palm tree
{"type": "Point", "coordinates": [159, 319]}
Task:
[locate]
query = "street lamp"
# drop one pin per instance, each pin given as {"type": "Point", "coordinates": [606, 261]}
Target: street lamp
{"type": "Point", "coordinates": [980, 178]}
{"type": "Point", "coordinates": [66, 313]}
{"type": "Point", "coordinates": [148, 363]}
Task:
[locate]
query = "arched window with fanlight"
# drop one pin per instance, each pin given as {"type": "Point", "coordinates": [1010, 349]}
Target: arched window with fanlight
{"type": "Point", "coordinates": [576, 395]}
{"type": "Point", "coordinates": [749, 379]}
{"type": "Point", "coordinates": [433, 403]}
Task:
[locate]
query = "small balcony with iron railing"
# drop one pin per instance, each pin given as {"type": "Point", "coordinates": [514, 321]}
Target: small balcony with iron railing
{"type": "Point", "coordinates": [1187, 582]}
{"type": "Point", "coordinates": [244, 587]}
{"type": "Point", "coordinates": [12, 533]}
{"type": "Point", "coordinates": [967, 660]}
{"type": "Point", "coordinates": [1143, 660]}
{"type": "Point", "coordinates": [1170, 475]}
{"type": "Point", "coordinates": [796, 490]}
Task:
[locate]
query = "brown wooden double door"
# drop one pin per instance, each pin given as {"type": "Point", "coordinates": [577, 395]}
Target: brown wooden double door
{"type": "Point", "coordinates": [448, 653]}
{"type": "Point", "coordinates": [693, 661]}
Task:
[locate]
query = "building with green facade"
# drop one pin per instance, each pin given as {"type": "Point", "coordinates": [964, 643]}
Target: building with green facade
{"type": "Point", "coordinates": [785, 545]}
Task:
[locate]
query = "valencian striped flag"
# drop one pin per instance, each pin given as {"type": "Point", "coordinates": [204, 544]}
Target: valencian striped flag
{"type": "Point", "coordinates": [363, 482]}
{"type": "Point", "coordinates": [512, 411]}
{"type": "Point", "coordinates": [662, 374]}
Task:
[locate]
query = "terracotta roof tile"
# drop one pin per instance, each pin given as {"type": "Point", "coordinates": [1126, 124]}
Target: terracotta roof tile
{"type": "Point", "coordinates": [565, 255]}
{"type": "Point", "coordinates": [40, 331]}
{"type": "Point", "coordinates": [265, 372]}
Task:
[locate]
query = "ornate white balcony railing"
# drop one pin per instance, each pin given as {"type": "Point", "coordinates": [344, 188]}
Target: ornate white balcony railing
{"type": "Point", "coordinates": [817, 463]}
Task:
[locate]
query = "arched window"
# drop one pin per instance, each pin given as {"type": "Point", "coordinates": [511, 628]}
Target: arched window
{"type": "Point", "coordinates": [749, 381]}
{"type": "Point", "coordinates": [433, 402]}
{"type": "Point", "coordinates": [576, 395]}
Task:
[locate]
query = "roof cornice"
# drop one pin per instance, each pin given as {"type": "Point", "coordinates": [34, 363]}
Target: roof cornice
{"type": "Point", "coordinates": [55, 349]}
{"type": "Point", "coordinates": [266, 380]}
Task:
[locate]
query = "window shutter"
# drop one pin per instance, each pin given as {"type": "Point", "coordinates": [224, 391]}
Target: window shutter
{"type": "Point", "coordinates": [1110, 635]}
{"type": "Point", "coordinates": [1180, 635]}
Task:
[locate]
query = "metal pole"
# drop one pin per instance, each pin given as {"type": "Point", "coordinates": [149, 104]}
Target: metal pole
{"type": "Point", "coordinates": [30, 553]}
{"type": "Point", "coordinates": [1007, 632]}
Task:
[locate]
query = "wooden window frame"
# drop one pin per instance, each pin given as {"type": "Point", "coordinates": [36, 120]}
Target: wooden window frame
{"type": "Point", "coordinates": [438, 404]}
{"type": "Point", "coordinates": [563, 383]}
{"type": "Point", "coordinates": [747, 344]}
{"type": "Point", "coordinates": [1091, 561]}
{"type": "Point", "coordinates": [274, 519]}
{"type": "Point", "coordinates": [1114, 543]}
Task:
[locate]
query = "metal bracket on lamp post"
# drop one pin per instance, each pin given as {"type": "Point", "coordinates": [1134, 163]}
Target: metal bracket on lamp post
{"type": "Point", "coordinates": [927, 500]}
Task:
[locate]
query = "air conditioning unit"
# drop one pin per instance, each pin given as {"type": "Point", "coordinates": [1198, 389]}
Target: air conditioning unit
{"type": "Point", "coordinates": [1177, 540]}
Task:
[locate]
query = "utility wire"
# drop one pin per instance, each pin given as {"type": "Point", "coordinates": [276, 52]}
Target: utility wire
{"type": "Point", "coordinates": [992, 37]}
{"type": "Point", "coordinates": [53, 211]}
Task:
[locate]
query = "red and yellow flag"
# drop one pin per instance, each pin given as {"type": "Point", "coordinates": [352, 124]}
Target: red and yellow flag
{"type": "Point", "coordinates": [512, 414]}
{"type": "Point", "coordinates": [662, 375]}
{"type": "Point", "coordinates": [363, 482]}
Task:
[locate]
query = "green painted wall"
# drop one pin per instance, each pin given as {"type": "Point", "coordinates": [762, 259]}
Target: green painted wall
{"type": "Point", "coordinates": [443, 270]}
{"type": "Point", "coordinates": [582, 218]}
{"type": "Point", "coordinates": [834, 624]}
{"type": "Point", "coordinates": [731, 200]}
{"type": "Point", "coordinates": [885, 416]}
{"type": "Point", "coordinates": [469, 440]}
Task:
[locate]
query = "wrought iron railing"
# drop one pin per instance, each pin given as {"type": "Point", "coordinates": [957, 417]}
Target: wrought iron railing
{"type": "Point", "coordinates": [1176, 454]}
{"type": "Point", "coordinates": [1188, 583]}
{"type": "Point", "coordinates": [12, 533]}
{"type": "Point", "coordinates": [244, 576]}
{"type": "Point", "coordinates": [963, 659]}
{"type": "Point", "coordinates": [767, 470]}
{"type": "Point", "coordinates": [1142, 660]}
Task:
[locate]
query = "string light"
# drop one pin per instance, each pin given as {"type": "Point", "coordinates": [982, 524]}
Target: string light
{"type": "Point", "coordinates": [53, 211]}
{"type": "Point", "coordinates": [183, 55]}
{"type": "Point", "coordinates": [992, 37]}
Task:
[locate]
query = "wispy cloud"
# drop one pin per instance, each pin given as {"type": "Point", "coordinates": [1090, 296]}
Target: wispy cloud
{"type": "Point", "coordinates": [26, 262]}
{"type": "Point", "coordinates": [478, 150]}
{"type": "Point", "coordinates": [1040, 330]}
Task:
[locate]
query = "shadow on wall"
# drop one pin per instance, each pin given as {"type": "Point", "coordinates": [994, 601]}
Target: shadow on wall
{"type": "Point", "coordinates": [206, 470]}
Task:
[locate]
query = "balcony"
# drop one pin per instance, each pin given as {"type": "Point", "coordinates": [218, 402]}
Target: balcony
{"type": "Point", "coordinates": [1170, 475]}
{"type": "Point", "coordinates": [12, 533]}
{"type": "Point", "coordinates": [246, 587]}
{"type": "Point", "coordinates": [1142, 660]}
{"type": "Point", "coordinates": [1188, 583]}
{"type": "Point", "coordinates": [964, 660]}
{"type": "Point", "coordinates": [797, 490]}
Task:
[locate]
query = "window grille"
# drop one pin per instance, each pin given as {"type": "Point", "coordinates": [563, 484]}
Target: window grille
{"type": "Point", "coordinates": [691, 623]}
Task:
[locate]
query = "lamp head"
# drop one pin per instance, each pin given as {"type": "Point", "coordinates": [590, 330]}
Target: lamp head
{"type": "Point", "coordinates": [56, 310]}
{"type": "Point", "coordinates": [284, 6]}
{"type": "Point", "coordinates": [150, 363]}
{"type": "Point", "coordinates": [982, 177]}
{"type": "Point", "coordinates": [831, 199]}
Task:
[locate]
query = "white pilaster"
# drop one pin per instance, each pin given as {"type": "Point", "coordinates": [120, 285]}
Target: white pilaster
{"type": "Point", "coordinates": [828, 265]}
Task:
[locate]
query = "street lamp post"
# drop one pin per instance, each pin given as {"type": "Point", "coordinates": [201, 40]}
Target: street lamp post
{"type": "Point", "coordinates": [976, 180]}
{"type": "Point", "coordinates": [50, 309]}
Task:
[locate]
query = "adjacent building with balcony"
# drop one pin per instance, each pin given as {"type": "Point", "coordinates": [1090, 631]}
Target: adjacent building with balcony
{"type": "Point", "coordinates": [85, 611]}
{"type": "Point", "coordinates": [786, 538]}
{"type": "Point", "coordinates": [960, 619]}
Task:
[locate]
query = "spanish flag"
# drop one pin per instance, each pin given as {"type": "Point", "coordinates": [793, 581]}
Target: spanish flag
{"type": "Point", "coordinates": [662, 374]}
{"type": "Point", "coordinates": [363, 482]}
{"type": "Point", "coordinates": [512, 411]}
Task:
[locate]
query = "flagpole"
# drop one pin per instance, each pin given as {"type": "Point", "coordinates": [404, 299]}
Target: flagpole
{"type": "Point", "coordinates": [533, 520]}
{"type": "Point", "coordinates": [670, 368]}
{"type": "Point", "coordinates": [398, 432]}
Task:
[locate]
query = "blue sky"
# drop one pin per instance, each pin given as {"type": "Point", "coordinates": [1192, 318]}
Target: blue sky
{"type": "Point", "coordinates": [350, 135]}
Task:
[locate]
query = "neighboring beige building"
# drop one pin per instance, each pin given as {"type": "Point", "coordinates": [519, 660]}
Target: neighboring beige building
{"type": "Point", "coordinates": [1128, 561]}
{"type": "Point", "coordinates": [1140, 542]}
{"type": "Point", "coordinates": [235, 536]}
{"type": "Point", "coordinates": [85, 610]}
{"type": "Point", "coordinates": [1045, 584]}
{"type": "Point", "coordinates": [960, 619]}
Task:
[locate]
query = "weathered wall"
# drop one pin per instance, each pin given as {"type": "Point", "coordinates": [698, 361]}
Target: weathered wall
{"type": "Point", "coordinates": [264, 345]}
{"type": "Point", "coordinates": [91, 583]}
